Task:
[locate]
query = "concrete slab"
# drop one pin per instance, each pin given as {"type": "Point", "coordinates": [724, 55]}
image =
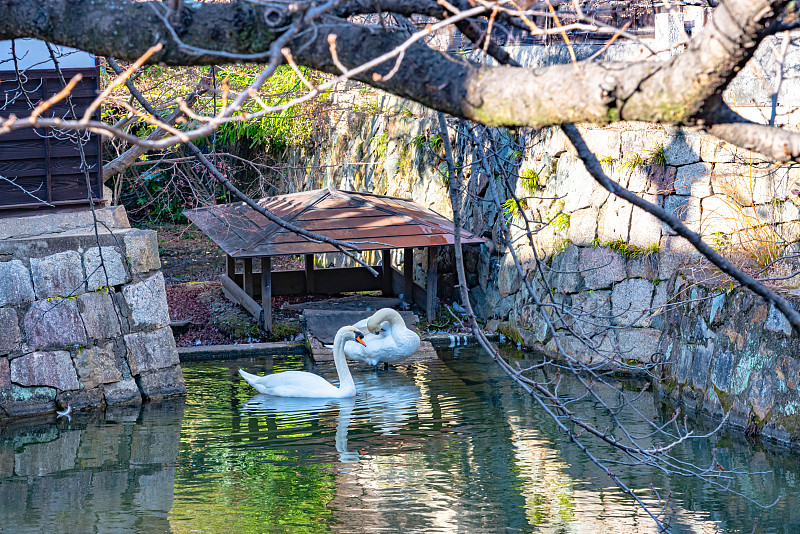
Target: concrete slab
{"type": "Point", "coordinates": [424, 352]}
{"type": "Point", "coordinates": [323, 324]}
{"type": "Point", "coordinates": [244, 350]}
{"type": "Point", "coordinates": [63, 220]}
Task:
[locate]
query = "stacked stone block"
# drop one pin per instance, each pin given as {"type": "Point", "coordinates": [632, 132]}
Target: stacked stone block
{"type": "Point", "coordinates": [630, 303]}
{"type": "Point", "coordinates": [83, 324]}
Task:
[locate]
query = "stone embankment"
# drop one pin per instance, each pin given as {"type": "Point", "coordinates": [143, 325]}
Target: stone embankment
{"type": "Point", "coordinates": [83, 317]}
{"type": "Point", "coordinates": [629, 290]}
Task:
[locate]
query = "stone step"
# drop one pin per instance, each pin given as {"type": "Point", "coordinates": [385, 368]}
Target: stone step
{"type": "Point", "coordinates": [323, 324]}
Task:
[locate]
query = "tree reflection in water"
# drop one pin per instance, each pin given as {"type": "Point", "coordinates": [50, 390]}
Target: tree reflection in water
{"type": "Point", "coordinates": [436, 446]}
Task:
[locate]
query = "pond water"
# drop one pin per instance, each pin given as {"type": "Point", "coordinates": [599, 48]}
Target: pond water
{"type": "Point", "coordinates": [438, 446]}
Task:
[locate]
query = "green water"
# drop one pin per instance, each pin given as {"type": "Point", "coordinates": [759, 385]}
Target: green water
{"type": "Point", "coordinates": [438, 446]}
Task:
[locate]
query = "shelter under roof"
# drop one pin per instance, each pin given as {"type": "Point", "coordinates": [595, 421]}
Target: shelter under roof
{"type": "Point", "coordinates": [369, 221]}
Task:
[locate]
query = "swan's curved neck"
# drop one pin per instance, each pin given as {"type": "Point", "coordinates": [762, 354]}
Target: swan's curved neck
{"type": "Point", "coordinates": [387, 316]}
{"type": "Point", "coordinates": [346, 382]}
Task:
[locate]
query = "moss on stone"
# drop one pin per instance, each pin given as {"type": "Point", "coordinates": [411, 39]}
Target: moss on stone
{"type": "Point", "coordinates": [282, 330]}
{"type": "Point", "coordinates": [510, 332]}
{"type": "Point", "coordinates": [724, 398]}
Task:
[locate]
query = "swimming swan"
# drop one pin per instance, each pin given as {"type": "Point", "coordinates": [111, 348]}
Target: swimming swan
{"type": "Point", "coordinates": [309, 385]}
{"type": "Point", "coordinates": [389, 340]}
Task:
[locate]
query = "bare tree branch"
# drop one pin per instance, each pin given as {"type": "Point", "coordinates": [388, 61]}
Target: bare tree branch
{"type": "Point", "coordinates": [596, 170]}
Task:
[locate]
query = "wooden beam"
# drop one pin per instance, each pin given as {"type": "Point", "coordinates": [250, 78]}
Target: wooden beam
{"type": "Point", "coordinates": [386, 273]}
{"type": "Point", "coordinates": [310, 274]}
{"type": "Point", "coordinates": [48, 166]}
{"type": "Point", "coordinates": [236, 294]}
{"type": "Point", "coordinates": [432, 284]}
{"type": "Point", "coordinates": [248, 277]}
{"type": "Point", "coordinates": [266, 292]}
{"type": "Point", "coordinates": [408, 275]}
{"type": "Point", "coordinates": [230, 267]}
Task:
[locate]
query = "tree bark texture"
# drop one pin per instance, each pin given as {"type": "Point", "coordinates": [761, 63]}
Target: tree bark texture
{"type": "Point", "coordinates": [682, 90]}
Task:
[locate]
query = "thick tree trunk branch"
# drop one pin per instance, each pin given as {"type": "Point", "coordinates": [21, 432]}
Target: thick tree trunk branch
{"type": "Point", "coordinates": [775, 143]}
{"type": "Point", "coordinates": [674, 91]}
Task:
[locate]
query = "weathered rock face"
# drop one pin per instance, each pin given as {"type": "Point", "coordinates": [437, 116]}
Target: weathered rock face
{"type": "Point", "coordinates": [147, 302]}
{"type": "Point", "coordinates": [148, 351]}
{"type": "Point", "coordinates": [601, 267]}
{"type": "Point", "coordinates": [57, 274]}
{"type": "Point", "coordinates": [54, 369]}
{"type": "Point", "coordinates": [10, 335]}
{"type": "Point", "coordinates": [15, 283]}
{"type": "Point", "coordinates": [77, 331]}
{"type": "Point", "coordinates": [100, 317]}
{"type": "Point", "coordinates": [53, 323]}
{"type": "Point", "coordinates": [747, 363]}
{"type": "Point", "coordinates": [98, 365]}
{"type": "Point", "coordinates": [104, 268]}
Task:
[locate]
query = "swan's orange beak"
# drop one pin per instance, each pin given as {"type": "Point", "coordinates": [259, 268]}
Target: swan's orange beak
{"type": "Point", "coordinates": [360, 338]}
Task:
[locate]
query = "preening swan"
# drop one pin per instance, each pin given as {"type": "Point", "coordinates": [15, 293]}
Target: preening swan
{"type": "Point", "coordinates": [394, 344]}
{"type": "Point", "coordinates": [304, 384]}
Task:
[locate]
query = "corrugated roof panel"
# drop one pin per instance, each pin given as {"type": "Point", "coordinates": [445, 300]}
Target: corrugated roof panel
{"type": "Point", "coordinates": [372, 222]}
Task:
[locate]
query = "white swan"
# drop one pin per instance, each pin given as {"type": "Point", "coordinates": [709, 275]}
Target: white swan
{"type": "Point", "coordinates": [389, 340]}
{"type": "Point", "coordinates": [309, 385]}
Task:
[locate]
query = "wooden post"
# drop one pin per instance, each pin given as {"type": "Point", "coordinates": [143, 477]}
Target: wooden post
{"type": "Point", "coordinates": [266, 292]}
{"type": "Point", "coordinates": [310, 274]}
{"type": "Point", "coordinates": [386, 275]}
{"type": "Point", "coordinates": [230, 265]}
{"type": "Point", "coordinates": [408, 276]}
{"type": "Point", "coordinates": [247, 283]}
{"type": "Point", "coordinates": [432, 283]}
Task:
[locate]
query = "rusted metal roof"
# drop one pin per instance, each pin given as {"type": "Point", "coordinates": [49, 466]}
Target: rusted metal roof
{"type": "Point", "coordinates": [372, 222]}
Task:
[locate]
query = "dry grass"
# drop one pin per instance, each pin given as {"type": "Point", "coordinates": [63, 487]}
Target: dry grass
{"type": "Point", "coordinates": [741, 227]}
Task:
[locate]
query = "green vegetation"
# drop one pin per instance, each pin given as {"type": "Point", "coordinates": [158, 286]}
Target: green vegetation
{"type": "Point", "coordinates": [529, 179]}
{"type": "Point", "coordinates": [418, 142]}
{"type": "Point", "coordinates": [436, 143]}
{"type": "Point", "coordinates": [276, 131]}
{"type": "Point", "coordinates": [630, 250]}
{"type": "Point", "coordinates": [561, 221]}
{"type": "Point", "coordinates": [381, 144]}
{"type": "Point", "coordinates": [718, 240]}
{"type": "Point", "coordinates": [561, 245]}
{"type": "Point", "coordinates": [404, 111]}
{"type": "Point", "coordinates": [632, 162]}
{"type": "Point", "coordinates": [512, 208]}
{"type": "Point", "coordinates": [607, 162]}
{"type": "Point", "coordinates": [444, 173]}
{"type": "Point", "coordinates": [657, 156]}
{"type": "Point", "coordinates": [282, 331]}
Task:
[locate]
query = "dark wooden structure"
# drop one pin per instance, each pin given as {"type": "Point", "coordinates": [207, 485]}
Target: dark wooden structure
{"type": "Point", "coordinates": [372, 222]}
{"type": "Point", "coordinates": [46, 166]}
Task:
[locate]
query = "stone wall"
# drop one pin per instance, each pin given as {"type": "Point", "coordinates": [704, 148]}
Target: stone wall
{"type": "Point", "coordinates": [622, 279]}
{"type": "Point", "coordinates": [732, 352]}
{"type": "Point", "coordinates": [83, 317]}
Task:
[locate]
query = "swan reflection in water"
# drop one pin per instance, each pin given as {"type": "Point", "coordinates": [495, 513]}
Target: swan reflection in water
{"type": "Point", "coordinates": [386, 401]}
